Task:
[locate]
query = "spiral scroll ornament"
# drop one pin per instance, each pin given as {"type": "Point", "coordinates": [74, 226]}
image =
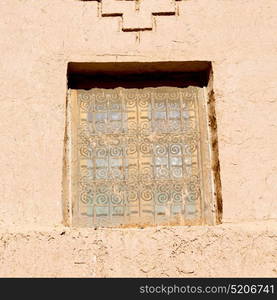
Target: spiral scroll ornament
{"type": "Point", "coordinates": [138, 154]}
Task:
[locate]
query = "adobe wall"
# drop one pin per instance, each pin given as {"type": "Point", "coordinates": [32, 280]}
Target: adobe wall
{"type": "Point", "coordinates": [38, 39]}
{"type": "Point", "coordinates": [220, 251]}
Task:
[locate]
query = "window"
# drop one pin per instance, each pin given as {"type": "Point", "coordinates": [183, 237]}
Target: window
{"type": "Point", "coordinates": [141, 145]}
{"type": "Point", "coordinates": [139, 157]}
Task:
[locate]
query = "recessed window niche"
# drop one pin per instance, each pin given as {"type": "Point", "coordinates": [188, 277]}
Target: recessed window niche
{"type": "Point", "coordinates": [141, 145]}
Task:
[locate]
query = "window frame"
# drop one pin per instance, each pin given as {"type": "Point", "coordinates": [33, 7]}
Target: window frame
{"type": "Point", "coordinates": [208, 188]}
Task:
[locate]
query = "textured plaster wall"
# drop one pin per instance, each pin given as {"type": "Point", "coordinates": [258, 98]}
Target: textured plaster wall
{"type": "Point", "coordinates": [224, 250]}
{"type": "Point", "coordinates": [38, 39]}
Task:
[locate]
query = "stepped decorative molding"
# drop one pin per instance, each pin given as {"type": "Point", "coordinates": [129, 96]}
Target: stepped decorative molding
{"type": "Point", "coordinates": [137, 15]}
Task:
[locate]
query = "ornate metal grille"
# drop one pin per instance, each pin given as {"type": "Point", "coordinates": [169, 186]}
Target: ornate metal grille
{"type": "Point", "coordinates": [136, 157]}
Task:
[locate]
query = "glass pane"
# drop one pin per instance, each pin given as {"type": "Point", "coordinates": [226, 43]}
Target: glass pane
{"type": "Point", "coordinates": [138, 157]}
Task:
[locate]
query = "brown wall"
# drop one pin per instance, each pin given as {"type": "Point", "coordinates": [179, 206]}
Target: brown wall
{"type": "Point", "coordinates": [40, 37]}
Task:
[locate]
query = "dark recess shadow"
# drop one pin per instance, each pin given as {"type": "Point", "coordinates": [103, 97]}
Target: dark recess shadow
{"type": "Point", "coordinates": [137, 75]}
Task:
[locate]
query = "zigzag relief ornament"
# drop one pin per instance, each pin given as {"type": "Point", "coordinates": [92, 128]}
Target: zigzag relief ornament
{"type": "Point", "coordinates": [137, 15]}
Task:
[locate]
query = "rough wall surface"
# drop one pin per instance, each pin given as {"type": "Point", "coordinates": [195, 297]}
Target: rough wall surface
{"type": "Point", "coordinates": [39, 38]}
{"type": "Point", "coordinates": [224, 250]}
